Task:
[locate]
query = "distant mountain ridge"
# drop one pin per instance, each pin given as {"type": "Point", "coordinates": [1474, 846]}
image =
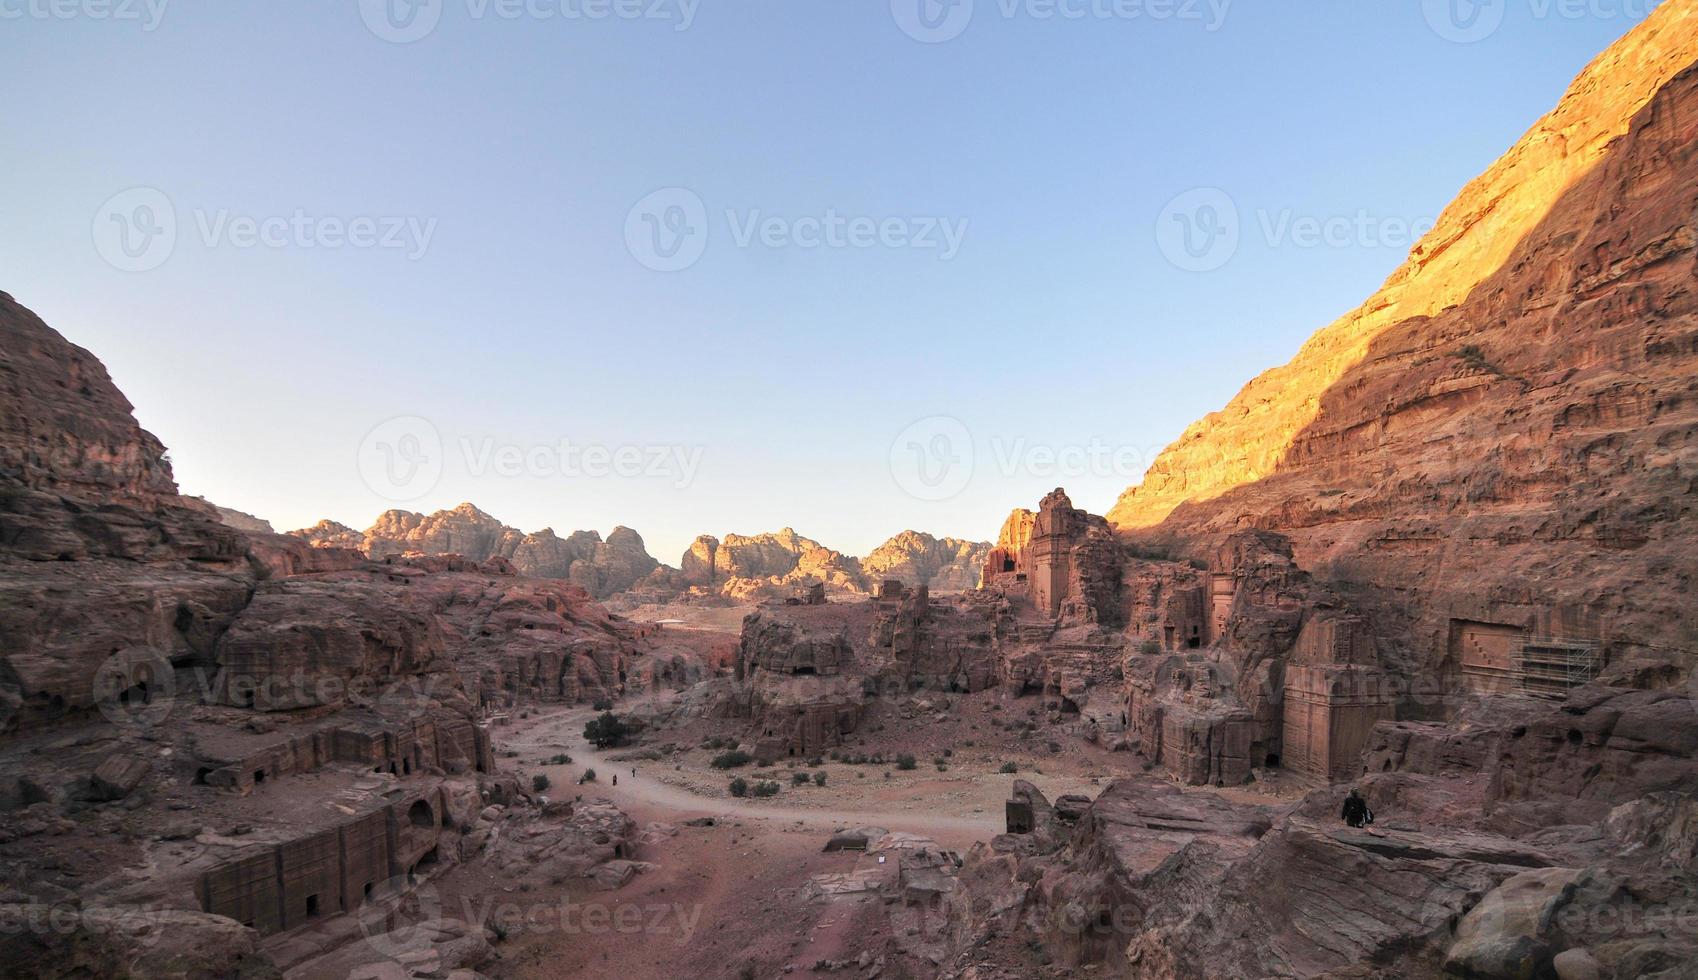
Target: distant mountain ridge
{"type": "Point", "coordinates": [737, 566]}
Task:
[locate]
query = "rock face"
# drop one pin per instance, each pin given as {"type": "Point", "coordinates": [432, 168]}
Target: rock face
{"type": "Point", "coordinates": [1441, 555]}
{"type": "Point", "coordinates": [316, 709]}
{"type": "Point", "coordinates": [1506, 434]}
{"type": "Point", "coordinates": [602, 568]}
{"type": "Point", "coordinates": [779, 564]}
{"type": "Point", "coordinates": [916, 558]}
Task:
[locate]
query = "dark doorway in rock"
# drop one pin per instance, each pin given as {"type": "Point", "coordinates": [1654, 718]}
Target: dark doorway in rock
{"type": "Point", "coordinates": [259, 776]}
{"type": "Point", "coordinates": [421, 815]}
{"type": "Point", "coordinates": [312, 906]}
{"type": "Point", "coordinates": [1273, 760]}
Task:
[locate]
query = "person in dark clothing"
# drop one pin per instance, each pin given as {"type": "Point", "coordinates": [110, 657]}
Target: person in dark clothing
{"type": "Point", "coordinates": [1356, 812]}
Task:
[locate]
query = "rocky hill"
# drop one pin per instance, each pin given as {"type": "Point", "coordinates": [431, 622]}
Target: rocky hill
{"type": "Point", "coordinates": [916, 558]}
{"type": "Point", "coordinates": [158, 663]}
{"type": "Point", "coordinates": [602, 568]}
{"type": "Point", "coordinates": [741, 567]}
{"type": "Point", "coordinates": [1507, 432]}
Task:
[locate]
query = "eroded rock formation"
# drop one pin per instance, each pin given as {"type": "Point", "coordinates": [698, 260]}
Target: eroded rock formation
{"type": "Point", "coordinates": [602, 568]}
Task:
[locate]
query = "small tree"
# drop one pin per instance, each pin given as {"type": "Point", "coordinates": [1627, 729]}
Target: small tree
{"type": "Point", "coordinates": [605, 731]}
{"type": "Point", "coordinates": [739, 787]}
{"type": "Point", "coordinates": [539, 782]}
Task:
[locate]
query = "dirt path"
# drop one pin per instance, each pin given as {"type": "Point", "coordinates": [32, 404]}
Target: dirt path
{"type": "Point", "coordinates": [545, 734]}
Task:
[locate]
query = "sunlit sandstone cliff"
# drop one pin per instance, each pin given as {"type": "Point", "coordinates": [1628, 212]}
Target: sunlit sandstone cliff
{"type": "Point", "coordinates": [1508, 430]}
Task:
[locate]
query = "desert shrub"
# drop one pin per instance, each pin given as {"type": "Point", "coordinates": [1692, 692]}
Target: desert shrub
{"type": "Point", "coordinates": [799, 778]}
{"type": "Point", "coordinates": [819, 778]}
{"type": "Point", "coordinates": [560, 760]}
{"type": "Point", "coordinates": [949, 753]}
{"type": "Point", "coordinates": [603, 704]}
{"type": "Point", "coordinates": [605, 731]}
{"type": "Point", "coordinates": [942, 766]}
{"type": "Point", "coordinates": [815, 762]}
{"type": "Point", "coordinates": [765, 789]}
{"type": "Point", "coordinates": [1475, 358]}
{"type": "Point", "coordinates": [730, 760]}
{"type": "Point", "coordinates": [1149, 647]}
{"type": "Point", "coordinates": [587, 777]}
{"type": "Point", "coordinates": [906, 762]}
{"type": "Point", "coordinates": [739, 787]}
{"type": "Point", "coordinates": [1008, 767]}
{"type": "Point", "coordinates": [539, 782]}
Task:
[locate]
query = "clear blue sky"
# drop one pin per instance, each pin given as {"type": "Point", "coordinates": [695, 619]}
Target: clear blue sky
{"type": "Point", "coordinates": [523, 145]}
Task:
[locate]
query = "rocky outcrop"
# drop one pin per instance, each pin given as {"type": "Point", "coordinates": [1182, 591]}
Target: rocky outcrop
{"type": "Point", "coordinates": [602, 568]}
{"type": "Point", "coordinates": [916, 558]}
{"type": "Point", "coordinates": [1503, 436]}
{"type": "Point", "coordinates": [239, 520]}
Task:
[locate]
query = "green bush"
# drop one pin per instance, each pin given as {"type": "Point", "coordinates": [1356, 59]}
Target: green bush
{"type": "Point", "coordinates": [819, 778]}
{"type": "Point", "coordinates": [603, 704]}
{"type": "Point", "coordinates": [906, 762]}
{"type": "Point", "coordinates": [1008, 767]}
{"type": "Point", "coordinates": [605, 731]}
{"type": "Point", "coordinates": [799, 778]}
{"type": "Point", "coordinates": [765, 789]}
{"type": "Point", "coordinates": [739, 787]}
{"type": "Point", "coordinates": [539, 782]}
{"type": "Point", "coordinates": [731, 759]}
{"type": "Point", "coordinates": [560, 760]}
